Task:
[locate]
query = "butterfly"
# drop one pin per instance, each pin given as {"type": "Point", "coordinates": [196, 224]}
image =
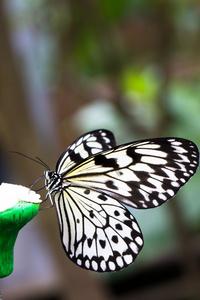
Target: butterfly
{"type": "Point", "coordinates": [94, 180]}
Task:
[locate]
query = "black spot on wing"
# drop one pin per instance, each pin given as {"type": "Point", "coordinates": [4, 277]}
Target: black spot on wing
{"type": "Point", "coordinates": [91, 213]}
{"type": "Point", "coordinates": [102, 243]}
{"type": "Point", "coordinates": [106, 162]}
{"type": "Point", "coordinates": [110, 185]}
{"type": "Point", "coordinates": [76, 157]}
{"type": "Point", "coordinates": [115, 239]}
{"type": "Point", "coordinates": [102, 197]}
{"type": "Point", "coordinates": [118, 226]}
{"type": "Point", "coordinates": [135, 156]}
{"type": "Point", "coordinates": [89, 242]}
{"type": "Point", "coordinates": [116, 213]}
{"type": "Point", "coordinates": [87, 192]}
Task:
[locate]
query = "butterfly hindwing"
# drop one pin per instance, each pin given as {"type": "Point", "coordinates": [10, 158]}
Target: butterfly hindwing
{"type": "Point", "coordinates": [97, 232]}
{"type": "Point", "coordinates": [143, 174]}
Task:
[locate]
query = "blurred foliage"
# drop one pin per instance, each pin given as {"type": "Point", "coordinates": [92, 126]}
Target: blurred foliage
{"type": "Point", "coordinates": [185, 107]}
{"type": "Point", "coordinates": [129, 66]}
{"type": "Point", "coordinates": [143, 84]}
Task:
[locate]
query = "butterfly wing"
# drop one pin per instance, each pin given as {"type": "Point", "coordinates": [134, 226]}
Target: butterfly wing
{"type": "Point", "coordinates": [83, 147]}
{"type": "Point", "coordinates": [97, 232]}
{"type": "Point", "coordinates": [92, 175]}
{"type": "Point", "coordinates": [143, 174]}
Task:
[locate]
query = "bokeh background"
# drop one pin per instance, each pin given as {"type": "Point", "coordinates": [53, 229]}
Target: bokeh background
{"type": "Point", "coordinates": [130, 66]}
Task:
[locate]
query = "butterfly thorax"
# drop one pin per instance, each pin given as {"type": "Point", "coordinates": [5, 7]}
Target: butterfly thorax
{"type": "Point", "coordinates": [53, 181]}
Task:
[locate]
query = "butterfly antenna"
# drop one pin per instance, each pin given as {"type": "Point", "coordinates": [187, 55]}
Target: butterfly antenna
{"type": "Point", "coordinates": [43, 208]}
{"type": "Point", "coordinates": [31, 185]}
{"type": "Point", "coordinates": [42, 162]}
{"type": "Point", "coordinates": [36, 159]}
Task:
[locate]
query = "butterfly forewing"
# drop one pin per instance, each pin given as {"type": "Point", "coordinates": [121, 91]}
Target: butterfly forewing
{"type": "Point", "coordinates": [143, 174]}
{"type": "Point", "coordinates": [98, 233]}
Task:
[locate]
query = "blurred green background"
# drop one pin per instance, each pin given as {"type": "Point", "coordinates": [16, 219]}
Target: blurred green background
{"type": "Point", "coordinates": [130, 66]}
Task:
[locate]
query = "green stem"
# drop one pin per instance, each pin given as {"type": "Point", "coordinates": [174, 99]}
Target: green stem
{"type": "Point", "coordinates": [11, 221]}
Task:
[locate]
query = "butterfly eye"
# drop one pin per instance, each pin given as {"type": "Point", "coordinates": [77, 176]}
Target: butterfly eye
{"type": "Point", "coordinates": [48, 174]}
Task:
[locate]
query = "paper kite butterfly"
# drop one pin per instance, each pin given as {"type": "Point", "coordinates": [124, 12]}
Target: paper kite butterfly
{"type": "Point", "coordinates": [93, 181]}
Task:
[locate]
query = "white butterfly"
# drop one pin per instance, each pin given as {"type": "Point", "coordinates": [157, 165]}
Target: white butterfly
{"type": "Point", "coordinates": [93, 180]}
